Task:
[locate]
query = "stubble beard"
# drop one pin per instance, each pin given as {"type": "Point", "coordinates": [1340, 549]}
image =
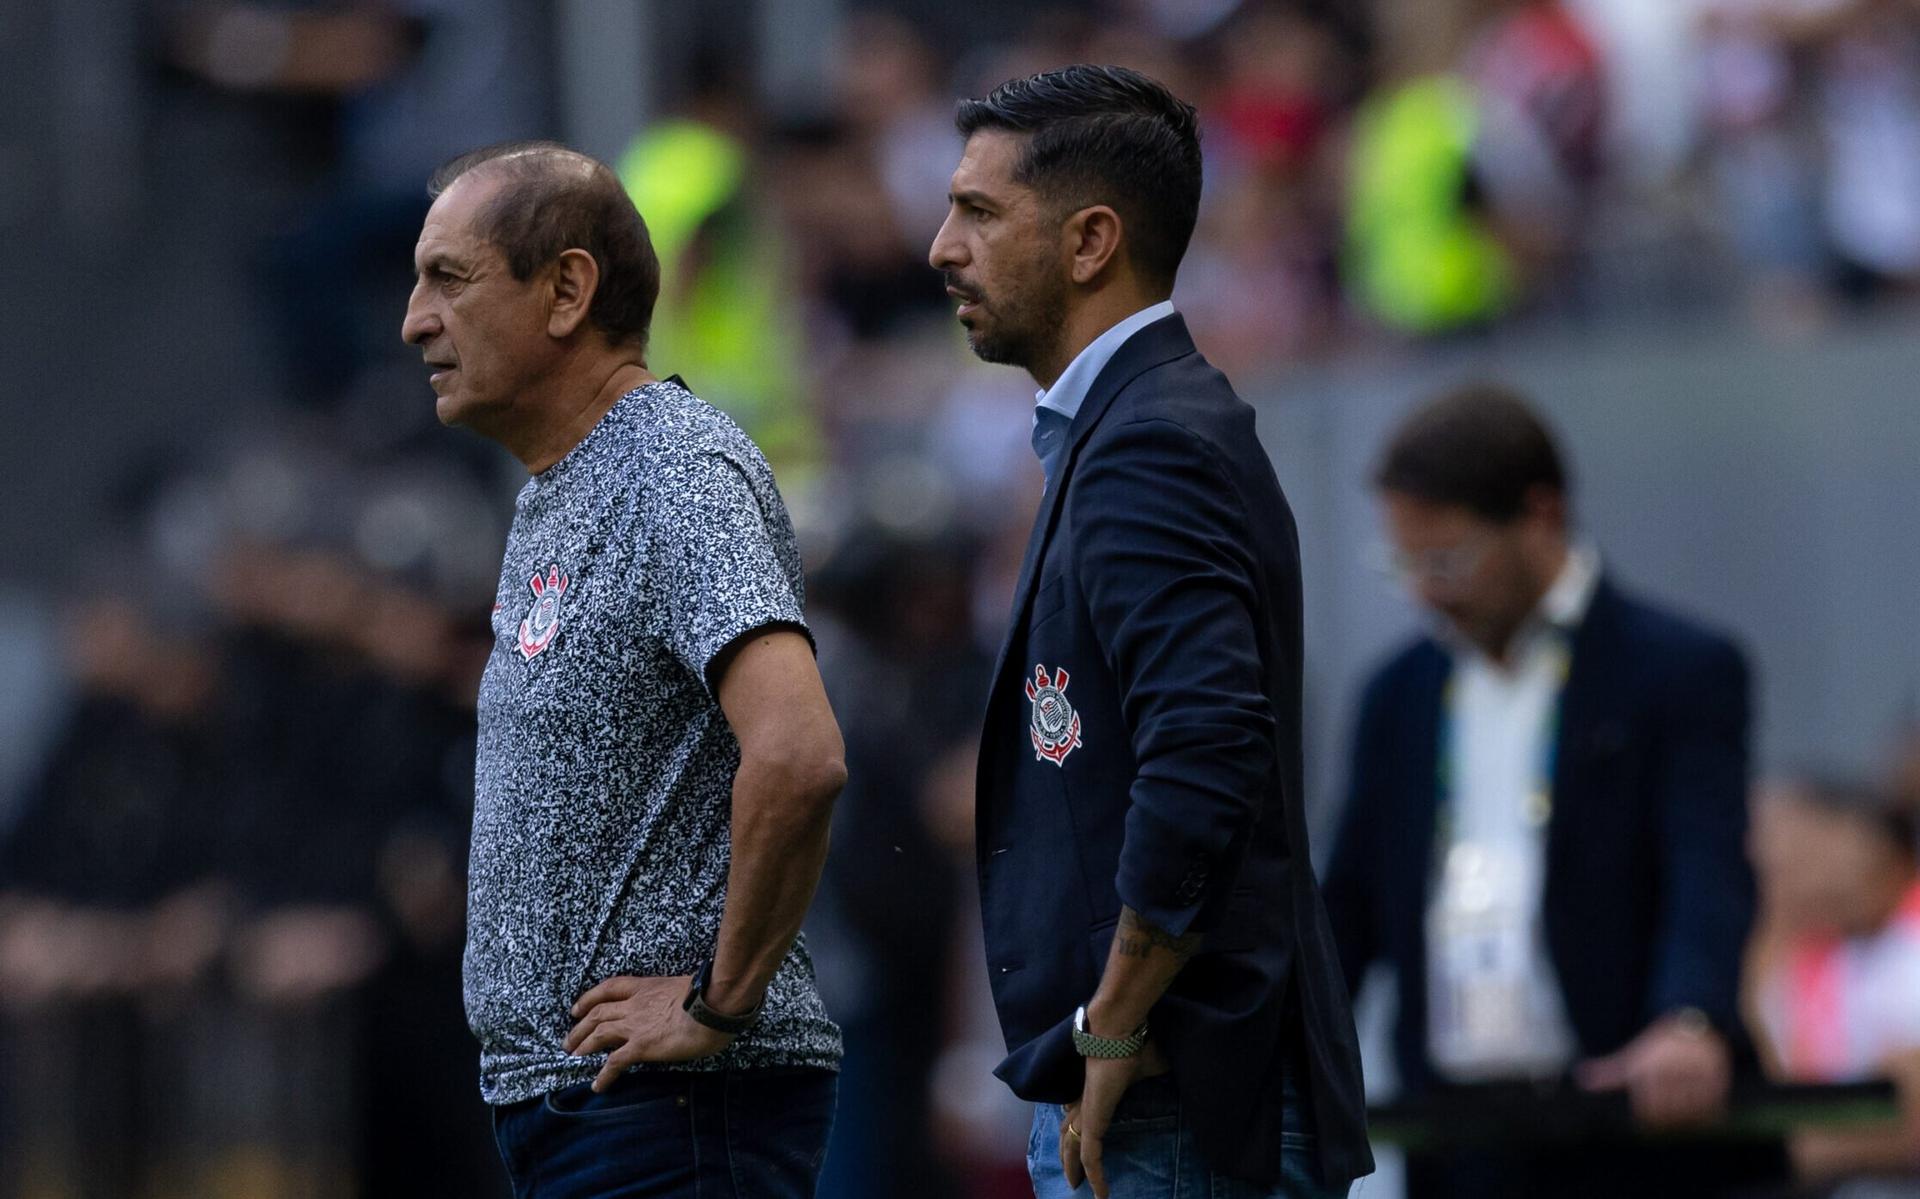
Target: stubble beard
{"type": "Point", "coordinates": [1027, 328]}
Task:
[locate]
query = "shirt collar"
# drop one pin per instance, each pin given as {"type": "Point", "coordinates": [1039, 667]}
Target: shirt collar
{"type": "Point", "coordinates": [1565, 604]}
{"type": "Point", "coordinates": [1069, 391]}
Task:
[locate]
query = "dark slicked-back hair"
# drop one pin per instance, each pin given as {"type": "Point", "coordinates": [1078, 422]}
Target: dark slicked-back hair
{"type": "Point", "coordinates": [552, 199]}
{"type": "Point", "coordinates": [1105, 135]}
{"type": "Point", "coordinates": [1480, 446]}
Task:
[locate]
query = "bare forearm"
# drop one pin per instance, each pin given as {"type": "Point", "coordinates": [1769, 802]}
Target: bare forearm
{"type": "Point", "coordinates": [780, 824]}
{"type": "Point", "coordinates": [1141, 966]}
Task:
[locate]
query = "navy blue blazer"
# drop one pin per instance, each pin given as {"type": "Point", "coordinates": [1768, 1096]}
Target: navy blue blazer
{"type": "Point", "coordinates": [1648, 896]}
{"type": "Point", "coordinates": [1142, 746]}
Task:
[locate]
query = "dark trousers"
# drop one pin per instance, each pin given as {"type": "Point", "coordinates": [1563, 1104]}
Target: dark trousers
{"type": "Point", "coordinates": [746, 1134]}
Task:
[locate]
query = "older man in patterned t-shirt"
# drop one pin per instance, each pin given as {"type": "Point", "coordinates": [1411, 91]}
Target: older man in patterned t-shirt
{"type": "Point", "coordinates": [657, 759]}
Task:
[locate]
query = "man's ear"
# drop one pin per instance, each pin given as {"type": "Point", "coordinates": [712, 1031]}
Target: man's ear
{"type": "Point", "coordinates": [1093, 240]}
{"type": "Point", "coordinates": [575, 276]}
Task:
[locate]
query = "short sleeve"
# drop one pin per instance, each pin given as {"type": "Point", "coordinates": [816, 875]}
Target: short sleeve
{"type": "Point", "coordinates": [722, 560]}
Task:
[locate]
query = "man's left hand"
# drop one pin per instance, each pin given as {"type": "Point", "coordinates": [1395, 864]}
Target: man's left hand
{"type": "Point", "coordinates": [1107, 1080]}
{"type": "Point", "coordinates": [1080, 1155]}
{"type": "Point", "coordinates": [1677, 1072]}
{"type": "Point", "coordinates": [634, 1020]}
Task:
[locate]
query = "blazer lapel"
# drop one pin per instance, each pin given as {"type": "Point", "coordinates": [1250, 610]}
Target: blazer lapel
{"type": "Point", "coordinates": [1590, 722]}
{"type": "Point", "coordinates": [1158, 343]}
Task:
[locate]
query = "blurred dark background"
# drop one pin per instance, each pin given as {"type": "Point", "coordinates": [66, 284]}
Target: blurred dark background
{"type": "Point", "coordinates": [244, 573]}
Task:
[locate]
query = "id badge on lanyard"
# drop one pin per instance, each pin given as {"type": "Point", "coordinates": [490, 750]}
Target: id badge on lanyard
{"type": "Point", "coordinates": [1480, 937]}
{"type": "Point", "coordinates": [1483, 990]}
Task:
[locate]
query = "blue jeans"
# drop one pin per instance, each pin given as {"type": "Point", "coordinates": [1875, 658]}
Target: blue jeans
{"type": "Point", "coordinates": [1150, 1153]}
{"type": "Point", "coordinates": [738, 1134]}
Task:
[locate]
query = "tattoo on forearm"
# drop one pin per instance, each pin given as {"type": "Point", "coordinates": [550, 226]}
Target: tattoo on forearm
{"type": "Point", "coordinates": [1135, 938]}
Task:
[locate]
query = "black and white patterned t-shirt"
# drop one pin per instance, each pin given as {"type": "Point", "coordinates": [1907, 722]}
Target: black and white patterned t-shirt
{"type": "Point", "coordinates": [605, 769]}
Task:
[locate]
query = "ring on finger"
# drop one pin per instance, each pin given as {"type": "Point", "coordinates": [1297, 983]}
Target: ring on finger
{"type": "Point", "coordinates": [1072, 1131]}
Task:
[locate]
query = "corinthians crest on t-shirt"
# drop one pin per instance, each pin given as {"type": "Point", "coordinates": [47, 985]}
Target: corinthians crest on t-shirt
{"type": "Point", "coordinates": [1056, 726]}
{"type": "Point", "coordinates": [542, 622]}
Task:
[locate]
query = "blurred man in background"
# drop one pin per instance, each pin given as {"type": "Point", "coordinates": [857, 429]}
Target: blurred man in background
{"type": "Point", "coordinates": [1174, 986]}
{"type": "Point", "coordinates": [1836, 974]}
{"type": "Point", "coordinates": [657, 760]}
{"type": "Point", "coordinates": [1544, 830]}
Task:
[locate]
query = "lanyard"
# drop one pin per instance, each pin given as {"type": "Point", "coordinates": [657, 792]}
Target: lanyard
{"type": "Point", "coordinates": [1539, 802]}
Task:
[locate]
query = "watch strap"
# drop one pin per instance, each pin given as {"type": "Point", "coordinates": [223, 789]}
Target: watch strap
{"type": "Point", "coordinates": [1086, 1044]}
{"type": "Point", "coordinates": [696, 1006]}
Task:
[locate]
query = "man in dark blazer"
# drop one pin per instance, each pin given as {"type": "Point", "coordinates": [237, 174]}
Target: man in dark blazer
{"type": "Point", "coordinates": [1163, 968]}
{"type": "Point", "coordinates": [1545, 825]}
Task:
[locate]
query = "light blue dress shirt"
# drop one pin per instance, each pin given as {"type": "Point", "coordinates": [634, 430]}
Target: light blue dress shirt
{"type": "Point", "coordinates": [1056, 406]}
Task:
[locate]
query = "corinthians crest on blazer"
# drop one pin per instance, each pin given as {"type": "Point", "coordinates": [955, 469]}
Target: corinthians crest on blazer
{"type": "Point", "coordinates": [1142, 746]}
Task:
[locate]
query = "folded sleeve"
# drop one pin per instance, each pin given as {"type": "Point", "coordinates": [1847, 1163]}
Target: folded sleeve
{"type": "Point", "coordinates": [1163, 549]}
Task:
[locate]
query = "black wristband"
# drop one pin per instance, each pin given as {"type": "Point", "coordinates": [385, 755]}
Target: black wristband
{"type": "Point", "coordinates": [696, 1006]}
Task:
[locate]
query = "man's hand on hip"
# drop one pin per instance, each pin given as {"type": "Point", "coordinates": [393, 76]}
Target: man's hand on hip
{"type": "Point", "coordinates": [1083, 1137]}
{"type": "Point", "coordinates": [635, 1020]}
{"type": "Point", "coordinates": [1141, 964]}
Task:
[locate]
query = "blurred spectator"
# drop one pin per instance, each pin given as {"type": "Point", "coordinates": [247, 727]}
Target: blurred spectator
{"type": "Point", "coordinates": [726, 317]}
{"type": "Point", "coordinates": [889, 93]}
{"type": "Point", "coordinates": [1421, 252]}
{"type": "Point", "coordinates": [1837, 974]}
{"type": "Point", "coordinates": [243, 853]}
{"type": "Point", "coordinates": [1260, 279]}
{"type": "Point", "coordinates": [868, 279]}
{"type": "Point", "coordinates": [119, 818]}
{"type": "Point", "coordinates": [1420, 259]}
{"type": "Point", "coordinates": [904, 671]}
{"type": "Point", "coordinates": [413, 82]}
{"type": "Point", "coordinates": [1475, 164]}
{"type": "Point", "coordinates": [1867, 96]}
{"type": "Point", "coordinates": [1544, 832]}
{"type": "Point", "coordinates": [1276, 98]}
{"type": "Point", "coordinates": [1539, 152]}
{"type": "Point", "coordinates": [1814, 124]}
{"type": "Point", "coordinates": [1647, 56]}
{"type": "Point", "coordinates": [1761, 168]}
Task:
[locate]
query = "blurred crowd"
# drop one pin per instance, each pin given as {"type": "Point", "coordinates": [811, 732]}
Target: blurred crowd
{"type": "Point", "coordinates": [1833, 975]}
{"type": "Point", "coordinates": [231, 882]}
